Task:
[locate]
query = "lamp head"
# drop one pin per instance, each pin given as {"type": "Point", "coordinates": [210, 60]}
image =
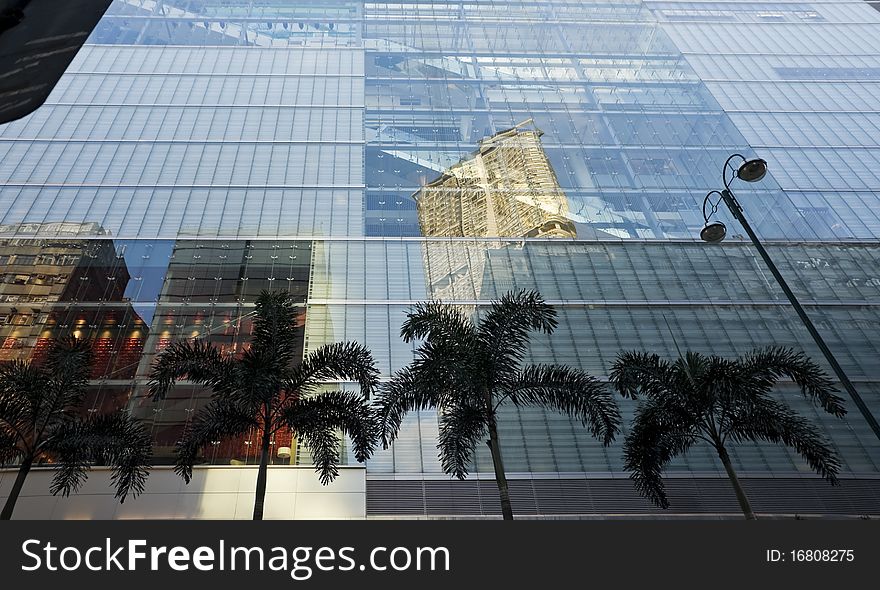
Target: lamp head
{"type": "Point", "coordinates": [713, 232]}
{"type": "Point", "coordinates": [752, 170]}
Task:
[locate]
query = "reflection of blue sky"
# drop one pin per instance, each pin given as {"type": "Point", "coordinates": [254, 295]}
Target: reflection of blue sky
{"type": "Point", "coordinates": [147, 262]}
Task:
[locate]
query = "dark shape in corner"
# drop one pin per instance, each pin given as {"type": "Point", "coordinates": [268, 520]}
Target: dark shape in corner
{"type": "Point", "coordinates": [38, 40]}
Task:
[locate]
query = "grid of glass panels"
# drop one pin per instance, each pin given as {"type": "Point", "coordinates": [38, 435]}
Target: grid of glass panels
{"type": "Point", "coordinates": [212, 148]}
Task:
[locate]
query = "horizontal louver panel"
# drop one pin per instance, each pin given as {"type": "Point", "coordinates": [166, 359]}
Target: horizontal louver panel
{"type": "Point", "coordinates": [610, 497]}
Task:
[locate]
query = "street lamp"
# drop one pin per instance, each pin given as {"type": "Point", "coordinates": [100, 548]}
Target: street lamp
{"type": "Point", "coordinates": [715, 231]}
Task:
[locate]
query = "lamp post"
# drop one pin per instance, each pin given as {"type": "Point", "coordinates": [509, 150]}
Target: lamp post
{"type": "Point", "coordinates": [714, 232]}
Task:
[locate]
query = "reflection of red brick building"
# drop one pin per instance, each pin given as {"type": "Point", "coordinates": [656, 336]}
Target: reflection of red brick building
{"type": "Point", "coordinates": [51, 288]}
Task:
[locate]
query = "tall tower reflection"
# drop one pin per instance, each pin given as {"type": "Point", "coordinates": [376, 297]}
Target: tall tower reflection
{"type": "Point", "coordinates": [506, 189]}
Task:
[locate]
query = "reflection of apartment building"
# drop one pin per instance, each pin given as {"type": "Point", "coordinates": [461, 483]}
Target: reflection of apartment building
{"type": "Point", "coordinates": [507, 188]}
{"type": "Point", "coordinates": [50, 288]}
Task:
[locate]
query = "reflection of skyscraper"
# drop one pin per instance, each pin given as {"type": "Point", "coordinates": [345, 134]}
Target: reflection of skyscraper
{"type": "Point", "coordinates": [507, 188]}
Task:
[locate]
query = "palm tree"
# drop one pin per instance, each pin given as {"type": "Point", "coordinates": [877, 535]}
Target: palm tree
{"type": "Point", "coordinates": [719, 402]}
{"type": "Point", "coordinates": [40, 405]}
{"type": "Point", "coordinates": [267, 389]}
{"type": "Point", "coordinates": [467, 371]}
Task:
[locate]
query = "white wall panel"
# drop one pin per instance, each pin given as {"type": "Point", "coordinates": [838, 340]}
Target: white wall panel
{"type": "Point", "coordinates": [223, 493]}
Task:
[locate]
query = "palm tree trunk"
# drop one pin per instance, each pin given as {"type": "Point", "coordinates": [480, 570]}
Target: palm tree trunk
{"type": "Point", "coordinates": [500, 478]}
{"type": "Point", "coordinates": [260, 498]}
{"type": "Point", "coordinates": [737, 487]}
{"type": "Point", "coordinates": [16, 488]}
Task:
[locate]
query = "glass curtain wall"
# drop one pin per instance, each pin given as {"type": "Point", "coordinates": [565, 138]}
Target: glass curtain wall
{"type": "Point", "coordinates": [367, 156]}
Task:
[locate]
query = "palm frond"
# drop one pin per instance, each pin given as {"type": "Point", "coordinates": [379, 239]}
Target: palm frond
{"type": "Point", "coordinates": [570, 391]}
{"type": "Point", "coordinates": [20, 381]}
{"type": "Point", "coordinates": [694, 368]}
{"type": "Point", "coordinates": [274, 332]}
{"type": "Point", "coordinates": [639, 373]}
{"type": "Point", "coordinates": [9, 450]}
{"type": "Point", "coordinates": [450, 359]}
{"type": "Point", "coordinates": [773, 362]}
{"type": "Point", "coordinates": [196, 360]}
{"type": "Point", "coordinates": [347, 361]}
{"type": "Point", "coordinates": [70, 359]}
{"type": "Point", "coordinates": [769, 420]}
{"type": "Point", "coordinates": [462, 426]}
{"type": "Point", "coordinates": [438, 322]}
{"type": "Point", "coordinates": [117, 439]}
{"type": "Point", "coordinates": [316, 419]}
{"type": "Point", "coordinates": [654, 440]}
{"type": "Point", "coordinates": [450, 368]}
{"type": "Point", "coordinates": [73, 462]}
{"type": "Point", "coordinates": [259, 379]}
{"type": "Point", "coordinates": [406, 392]}
{"type": "Point", "coordinates": [504, 329]}
{"type": "Point", "coordinates": [21, 385]}
{"type": "Point", "coordinates": [218, 420]}
{"type": "Point", "coordinates": [67, 368]}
